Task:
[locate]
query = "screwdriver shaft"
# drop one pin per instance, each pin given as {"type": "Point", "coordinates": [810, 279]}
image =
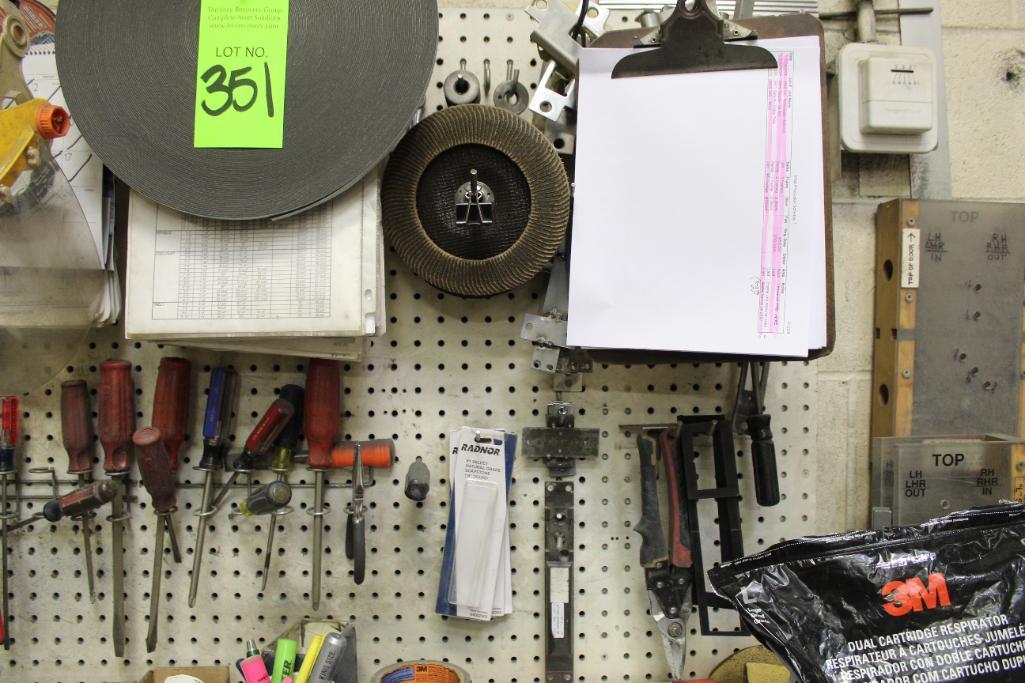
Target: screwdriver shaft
{"type": "Point", "coordinates": [268, 553]}
{"type": "Point", "coordinates": [87, 546]}
{"type": "Point", "coordinates": [176, 552]}
{"type": "Point", "coordinates": [3, 563]}
{"type": "Point", "coordinates": [225, 490]}
{"type": "Point", "coordinates": [154, 594]}
{"type": "Point", "coordinates": [117, 530]}
{"type": "Point", "coordinates": [197, 555]}
{"type": "Point", "coordinates": [273, 521]}
{"type": "Point", "coordinates": [318, 534]}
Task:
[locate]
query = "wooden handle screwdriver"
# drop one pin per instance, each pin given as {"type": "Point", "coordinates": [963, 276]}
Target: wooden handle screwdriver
{"type": "Point", "coordinates": [78, 437]}
{"type": "Point", "coordinates": [321, 424]}
{"type": "Point", "coordinates": [157, 478]}
{"type": "Point", "coordinates": [171, 404]}
{"type": "Point", "coordinates": [117, 422]}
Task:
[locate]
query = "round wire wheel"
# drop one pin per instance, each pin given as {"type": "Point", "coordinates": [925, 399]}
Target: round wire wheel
{"type": "Point", "coordinates": [475, 200]}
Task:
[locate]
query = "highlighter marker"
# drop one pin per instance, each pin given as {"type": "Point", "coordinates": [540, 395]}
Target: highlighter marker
{"type": "Point", "coordinates": [253, 668]}
{"type": "Point", "coordinates": [284, 660]}
{"type": "Point", "coordinates": [309, 659]}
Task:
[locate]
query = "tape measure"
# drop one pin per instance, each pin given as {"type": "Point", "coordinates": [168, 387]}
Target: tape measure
{"type": "Point", "coordinates": [422, 672]}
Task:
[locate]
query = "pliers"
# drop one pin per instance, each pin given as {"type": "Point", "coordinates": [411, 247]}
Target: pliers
{"type": "Point", "coordinates": [668, 568]}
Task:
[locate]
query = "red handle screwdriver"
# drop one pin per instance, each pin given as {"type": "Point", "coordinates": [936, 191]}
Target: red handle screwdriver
{"type": "Point", "coordinates": [117, 415]}
{"type": "Point", "coordinates": [322, 411]}
{"type": "Point", "coordinates": [117, 421]}
{"type": "Point", "coordinates": [171, 404]}
{"type": "Point", "coordinates": [155, 468]}
{"type": "Point", "coordinates": [260, 440]}
{"type": "Point", "coordinates": [77, 436]}
{"type": "Point", "coordinates": [9, 414]}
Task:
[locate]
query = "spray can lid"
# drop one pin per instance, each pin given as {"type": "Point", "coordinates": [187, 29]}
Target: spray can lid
{"type": "Point", "coordinates": [251, 649]}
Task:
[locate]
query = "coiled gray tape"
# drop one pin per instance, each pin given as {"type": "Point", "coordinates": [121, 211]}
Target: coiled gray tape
{"type": "Point", "coordinates": [357, 71]}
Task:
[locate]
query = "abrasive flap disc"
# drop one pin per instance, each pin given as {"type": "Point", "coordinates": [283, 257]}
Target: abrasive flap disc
{"type": "Point", "coordinates": [475, 200]}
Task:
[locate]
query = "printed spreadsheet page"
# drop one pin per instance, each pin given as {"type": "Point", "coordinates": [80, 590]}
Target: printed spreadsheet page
{"type": "Point", "coordinates": [698, 221]}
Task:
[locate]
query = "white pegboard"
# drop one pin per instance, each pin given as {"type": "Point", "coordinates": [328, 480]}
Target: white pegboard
{"type": "Point", "coordinates": [446, 362]}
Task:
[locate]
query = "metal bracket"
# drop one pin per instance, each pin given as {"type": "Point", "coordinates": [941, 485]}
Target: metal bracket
{"type": "Point", "coordinates": [556, 22]}
{"type": "Point", "coordinates": [560, 444]}
{"type": "Point", "coordinates": [556, 89]}
{"type": "Point", "coordinates": [559, 501]}
{"type": "Point", "coordinates": [475, 202]}
{"type": "Point", "coordinates": [548, 334]}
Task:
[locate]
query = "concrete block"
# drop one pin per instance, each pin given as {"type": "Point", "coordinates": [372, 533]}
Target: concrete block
{"type": "Point", "coordinates": [854, 237]}
{"type": "Point", "coordinates": [859, 428]}
{"type": "Point", "coordinates": [831, 454]}
{"type": "Point", "coordinates": [994, 14]}
{"type": "Point", "coordinates": [885, 175]}
{"type": "Point", "coordinates": [986, 97]}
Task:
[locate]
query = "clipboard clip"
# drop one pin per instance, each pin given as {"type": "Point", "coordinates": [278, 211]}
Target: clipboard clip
{"type": "Point", "coordinates": [693, 41]}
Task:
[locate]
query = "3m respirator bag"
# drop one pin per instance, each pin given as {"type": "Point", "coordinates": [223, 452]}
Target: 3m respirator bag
{"type": "Point", "coordinates": [943, 601]}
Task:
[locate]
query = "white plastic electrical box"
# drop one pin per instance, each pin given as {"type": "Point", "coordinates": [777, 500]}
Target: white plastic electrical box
{"type": "Point", "coordinates": [887, 98]}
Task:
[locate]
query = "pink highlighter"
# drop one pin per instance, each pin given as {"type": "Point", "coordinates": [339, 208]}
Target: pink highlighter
{"type": "Point", "coordinates": [253, 668]}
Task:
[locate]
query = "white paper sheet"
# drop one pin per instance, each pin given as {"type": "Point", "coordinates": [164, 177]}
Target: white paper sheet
{"type": "Point", "coordinates": [699, 222]}
{"type": "Point", "coordinates": [303, 276]}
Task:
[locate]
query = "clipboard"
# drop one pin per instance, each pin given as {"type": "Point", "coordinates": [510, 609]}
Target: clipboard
{"type": "Point", "coordinates": [698, 39]}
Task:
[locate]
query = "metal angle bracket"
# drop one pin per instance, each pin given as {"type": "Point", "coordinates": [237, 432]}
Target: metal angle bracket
{"type": "Point", "coordinates": [556, 89]}
{"type": "Point", "coordinates": [556, 22]}
{"type": "Point", "coordinates": [548, 334]}
{"type": "Point", "coordinates": [560, 444]}
{"type": "Point", "coordinates": [559, 501]}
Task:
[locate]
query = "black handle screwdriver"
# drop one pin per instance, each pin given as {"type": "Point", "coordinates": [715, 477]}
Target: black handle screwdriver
{"type": "Point", "coordinates": [282, 465]}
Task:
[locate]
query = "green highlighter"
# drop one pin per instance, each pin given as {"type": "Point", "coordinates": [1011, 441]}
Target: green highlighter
{"type": "Point", "coordinates": [284, 660]}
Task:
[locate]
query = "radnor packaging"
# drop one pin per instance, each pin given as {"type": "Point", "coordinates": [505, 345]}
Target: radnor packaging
{"type": "Point", "coordinates": [942, 601]}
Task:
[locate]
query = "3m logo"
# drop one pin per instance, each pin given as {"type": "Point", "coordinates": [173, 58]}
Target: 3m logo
{"type": "Point", "coordinates": [904, 597]}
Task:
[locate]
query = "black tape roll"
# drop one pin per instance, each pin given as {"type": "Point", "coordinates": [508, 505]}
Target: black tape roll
{"type": "Point", "coordinates": [357, 71]}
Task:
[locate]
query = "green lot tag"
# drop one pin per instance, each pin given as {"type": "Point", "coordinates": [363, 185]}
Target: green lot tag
{"type": "Point", "coordinates": [240, 82]}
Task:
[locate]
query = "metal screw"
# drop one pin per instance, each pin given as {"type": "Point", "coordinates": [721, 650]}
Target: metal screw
{"type": "Point", "coordinates": [909, 297]}
{"type": "Point", "coordinates": [912, 221]}
{"type": "Point", "coordinates": [906, 374]}
{"type": "Point", "coordinates": [675, 630]}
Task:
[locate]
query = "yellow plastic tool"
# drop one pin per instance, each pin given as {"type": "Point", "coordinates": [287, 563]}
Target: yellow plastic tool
{"type": "Point", "coordinates": [22, 129]}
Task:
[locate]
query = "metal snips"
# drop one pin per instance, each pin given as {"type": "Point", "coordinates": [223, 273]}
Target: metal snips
{"type": "Point", "coordinates": [668, 568]}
